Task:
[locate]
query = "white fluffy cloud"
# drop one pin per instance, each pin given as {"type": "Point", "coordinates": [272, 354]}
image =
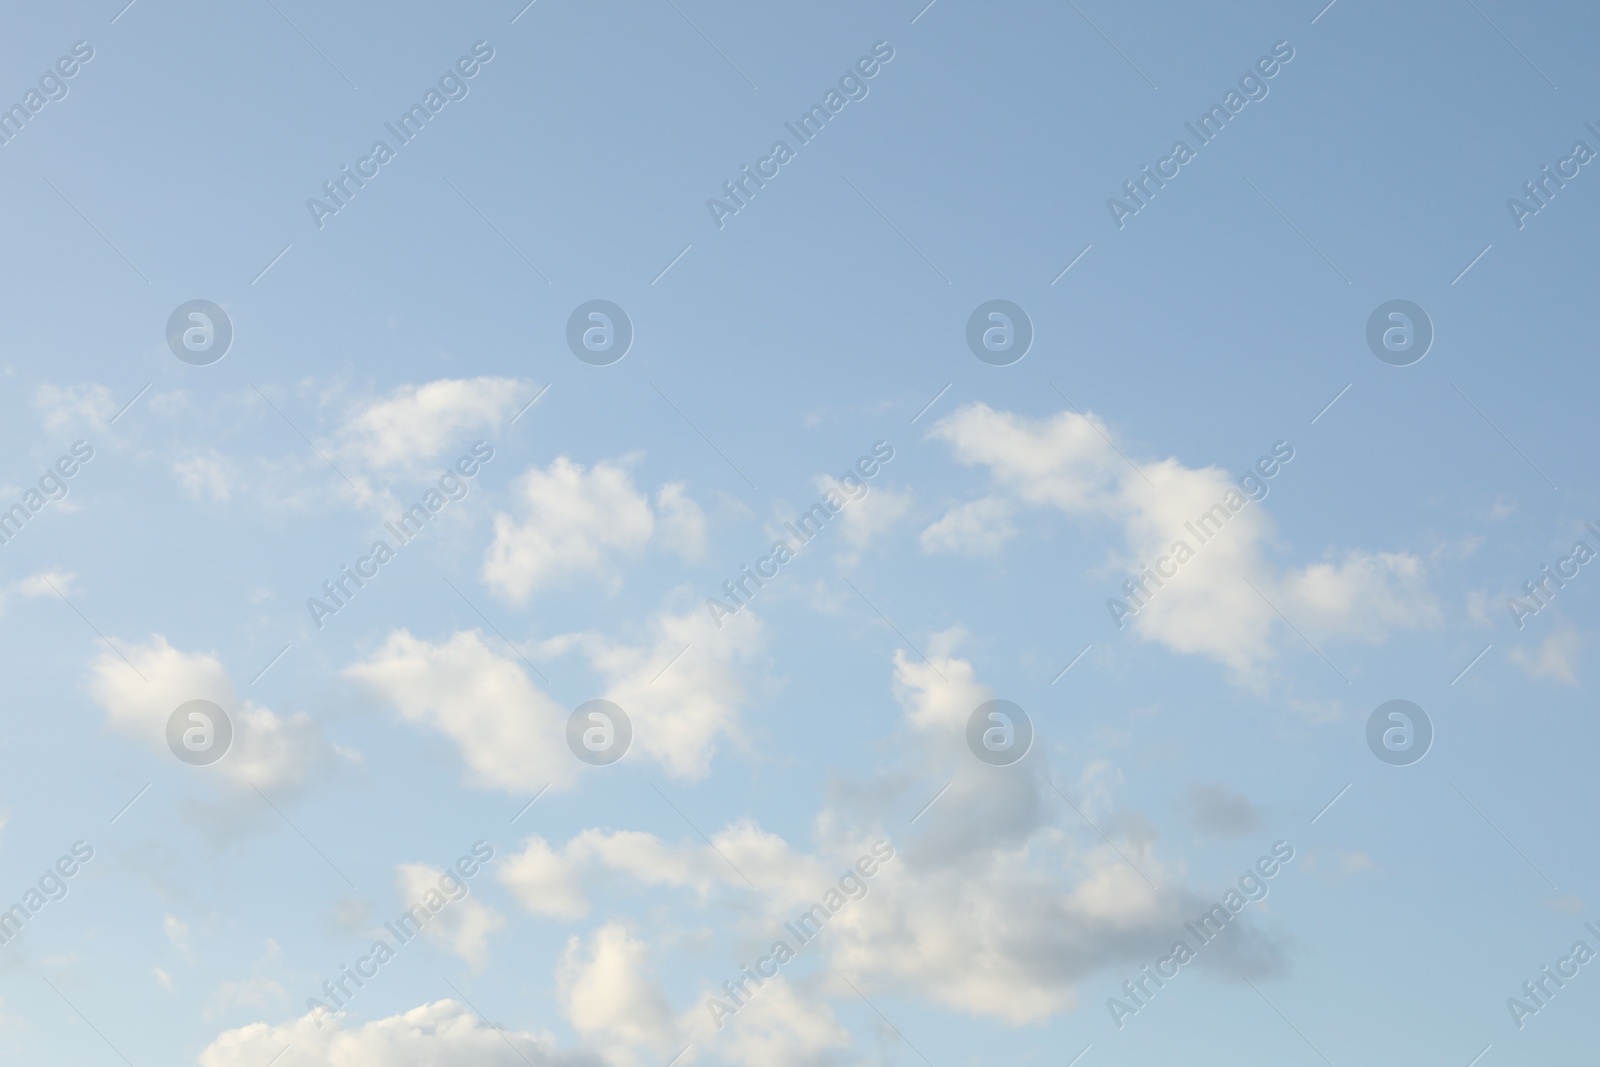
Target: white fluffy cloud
{"type": "Point", "coordinates": [269, 750]}
{"type": "Point", "coordinates": [556, 882]}
{"type": "Point", "coordinates": [431, 1035]}
{"type": "Point", "coordinates": [979, 527]}
{"type": "Point", "coordinates": [510, 734]}
{"type": "Point", "coordinates": [609, 996]}
{"type": "Point", "coordinates": [1068, 462]}
{"type": "Point", "coordinates": [782, 1028]}
{"type": "Point", "coordinates": [1001, 905]}
{"type": "Point", "coordinates": [462, 927]}
{"type": "Point", "coordinates": [865, 519]}
{"type": "Point", "coordinates": [678, 682]}
{"type": "Point", "coordinates": [574, 518]}
{"type": "Point", "coordinates": [418, 425]}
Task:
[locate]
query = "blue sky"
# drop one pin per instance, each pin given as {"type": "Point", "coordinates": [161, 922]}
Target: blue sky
{"type": "Point", "coordinates": [824, 322]}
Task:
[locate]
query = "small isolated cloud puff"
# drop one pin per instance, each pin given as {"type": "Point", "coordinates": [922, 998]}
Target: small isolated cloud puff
{"type": "Point", "coordinates": [68, 409]}
{"type": "Point", "coordinates": [442, 1032]}
{"type": "Point", "coordinates": [207, 476]}
{"type": "Point", "coordinates": [1218, 811]}
{"type": "Point", "coordinates": [463, 927]}
{"type": "Point", "coordinates": [979, 528]}
{"type": "Point", "coordinates": [509, 732]}
{"type": "Point", "coordinates": [549, 882]}
{"type": "Point", "coordinates": [575, 518]}
{"type": "Point", "coordinates": [269, 751]}
{"type": "Point", "coordinates": [867, 518]}
{"type": "Point", "coordinates": [1554, 659]}
{"type": "Point", "coordinates": [416, 425]}
{"type": "Point", "coordinates": [47, 583]}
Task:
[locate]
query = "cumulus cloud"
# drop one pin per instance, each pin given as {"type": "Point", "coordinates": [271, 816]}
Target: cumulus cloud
{"type": "Point", "coordinates": [442, 1032]}
{"type": "Point", "coordinates": [509, 732]}
{"type": "Point", "coordinates": [1001, 905]}
{"type": "Point", "coordinates": [544, 881]}
{"type": "Point", "coordinates": [463, 926]}
{"type": "Point", "coordinates": [782, 1028]}
{"type": "Point", "coordinates": [556, 882]}
{"type": "Point", "coordinates": [417, 426]}
{"type": "Point", "coordinates": [1208, 606]}
{"type": "Point", "coordinates": [867, 518]}
{"type": "Point", "coordinates": [574, 518]}
{"type": "Point", "coordinates": [979, 527]}
{"type": "Point", "coordinates": [138, 695]}
{"type": "Point", "coordinates": [48, 583]}
{"type": "Point", "coordinates": [677, 680]}
{"type": "Point", "coordinates": [609, 996]}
